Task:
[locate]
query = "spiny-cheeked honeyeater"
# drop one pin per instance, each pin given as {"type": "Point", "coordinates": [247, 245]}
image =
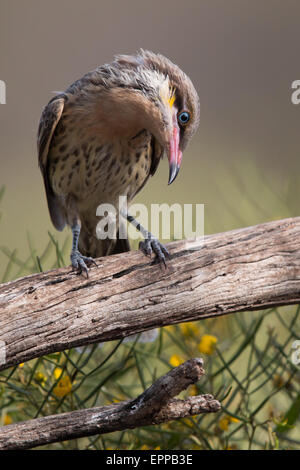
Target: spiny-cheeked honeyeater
{"type": "Point", "coordinates": [104, 136]}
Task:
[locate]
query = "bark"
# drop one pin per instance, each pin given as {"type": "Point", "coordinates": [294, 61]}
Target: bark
{"type": "Point", "coordinates": [246, 269]}
{"type": "Point", "coordinates": [156, 405]}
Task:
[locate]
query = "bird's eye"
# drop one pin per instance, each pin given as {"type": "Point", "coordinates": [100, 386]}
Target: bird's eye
{"type": "Point", "coordinates": [183, 118]}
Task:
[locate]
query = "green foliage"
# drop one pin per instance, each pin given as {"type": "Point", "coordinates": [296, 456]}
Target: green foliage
{"type": "Point", "coordinates": [247, 360]}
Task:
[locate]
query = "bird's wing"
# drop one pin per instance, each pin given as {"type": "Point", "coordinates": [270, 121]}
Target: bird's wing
{"type": "Point", "coordinates": [50, 117]}
{"type": "Point", "coordinates": [156, 154]}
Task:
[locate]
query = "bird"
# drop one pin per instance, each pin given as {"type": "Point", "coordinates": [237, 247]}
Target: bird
{"type": "Point", "coordinates": [104, 137]}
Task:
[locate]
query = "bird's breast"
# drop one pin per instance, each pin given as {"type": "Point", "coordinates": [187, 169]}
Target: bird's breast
{"type": "Point", "coordinates": [94, 171]}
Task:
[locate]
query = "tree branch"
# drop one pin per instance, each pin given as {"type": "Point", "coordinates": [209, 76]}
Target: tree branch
{"type": "Point", "coordinates": [246, 269]}
{"type": "Point", "coordinates": [156, 405]}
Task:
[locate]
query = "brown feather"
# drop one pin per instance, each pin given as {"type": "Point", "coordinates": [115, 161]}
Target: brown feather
{"type": "Point", "coordinates": [104, 137]}
{"type": "Point", "coordinates": [48, 122]}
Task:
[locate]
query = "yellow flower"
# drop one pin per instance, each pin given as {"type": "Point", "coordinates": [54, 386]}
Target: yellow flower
{"type": "Point", "coordinates": [233, 420]}
{"type": "Point", "coordinates": [170, 328]}
{"type": "Point", "coordinates": [40, 378]}
{"type": "Point", "coordinates": [189, 329]}
{"type": "Point", "coordinates": [193, 390]}
{"type": "Point", "coordinates": [63, 387]}
{"type": "Point", "coordinates": [57, 372]}
{"type": "Point", "coordinates": [22, 364]}
{"type": "Point", "coordinates": [7, 419]}
{"type": "Point", "coordinates": [226, 421]}
{"type": "Point", "coordinates": [207, 344]}
{"type": "Point", "coordinates": [223, 423]}
{"type": "Point", "coordinates": [187, 422]}
{"type": "Point", "coordinates": [176, 360]}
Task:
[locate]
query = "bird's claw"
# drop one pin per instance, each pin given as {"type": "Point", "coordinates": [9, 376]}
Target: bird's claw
{"type": "Point", "coordinates": [152, 245]}
{"type": "Point", "coordinates": [80, 262]}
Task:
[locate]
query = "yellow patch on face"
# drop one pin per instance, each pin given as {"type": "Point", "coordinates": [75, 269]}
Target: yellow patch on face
{"type": "Point", "coordinates": [172, 97]}
{"type": "Point", "coordinates": [168, 94]}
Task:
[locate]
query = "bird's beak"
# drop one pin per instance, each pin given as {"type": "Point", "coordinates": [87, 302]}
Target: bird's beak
{"type": "Point", "coordinates": [174, 153]}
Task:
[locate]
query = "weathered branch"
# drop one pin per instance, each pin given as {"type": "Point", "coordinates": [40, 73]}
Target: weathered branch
{"type": "Point", "coordinates": [247, 269]}
{"type": "Point", "coordinates": [154, 406]}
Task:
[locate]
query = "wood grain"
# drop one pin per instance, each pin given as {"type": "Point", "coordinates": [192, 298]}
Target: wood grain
{"type": "Point", "coordinates": [247, 269]}
{"type": "Point", "coordinates": [156, 405]}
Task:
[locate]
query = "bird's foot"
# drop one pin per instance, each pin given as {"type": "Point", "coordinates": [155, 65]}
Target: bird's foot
{"type": "Point", "coordinates": [80, 263]}
{"type": "Point", "coordinates": [152, 245]}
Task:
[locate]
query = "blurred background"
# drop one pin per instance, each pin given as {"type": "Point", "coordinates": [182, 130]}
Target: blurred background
{"type": "Point", "coordinates": [243, 165]}
{"type": "Point", "coordinates": [242, 56]}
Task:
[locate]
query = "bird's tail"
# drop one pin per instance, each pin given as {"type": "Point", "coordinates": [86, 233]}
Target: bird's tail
{"type": "Point", "coordinates": [89, 245]}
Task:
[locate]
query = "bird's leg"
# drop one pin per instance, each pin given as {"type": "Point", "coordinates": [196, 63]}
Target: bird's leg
{"type": "Point", "coordinates": [79, 262]}
{"type": "Point", "coordinates": [150, 244]}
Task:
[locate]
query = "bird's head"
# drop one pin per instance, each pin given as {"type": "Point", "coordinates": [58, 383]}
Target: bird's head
{"type": "Point", "coordinates": [147, 91]}
{"type": "Point", "coordinates": [171, 108]}
{"type": "Point", "coordinates": [179, 111]}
